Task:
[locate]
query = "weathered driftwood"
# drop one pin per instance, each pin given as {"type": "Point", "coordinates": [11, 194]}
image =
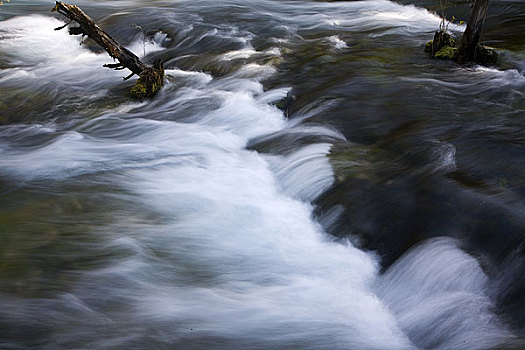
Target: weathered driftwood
{"type": "Point", "coordinates": [151, 78]}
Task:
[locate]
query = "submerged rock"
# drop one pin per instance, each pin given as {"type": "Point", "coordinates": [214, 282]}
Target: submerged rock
{"type": "Point", "coordinates": [350, 160]}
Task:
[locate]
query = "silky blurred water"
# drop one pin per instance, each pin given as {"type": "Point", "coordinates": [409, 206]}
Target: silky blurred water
{"type": "Point", "coordinates": [306, 179]}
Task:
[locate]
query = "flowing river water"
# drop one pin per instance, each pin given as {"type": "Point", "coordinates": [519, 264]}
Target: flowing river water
{"type": "Point", "coordinates": [306, 179]}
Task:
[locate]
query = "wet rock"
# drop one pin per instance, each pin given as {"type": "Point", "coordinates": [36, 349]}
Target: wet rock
{"type": "Point", "coordinates": [446, 53]}
{"type": "Point", "coordinates": [443, 46]}
{"type": "Point", "coordinates": [486, 56]}
{"type": "Point", "coordinates": [440, 41]}
{"type": "Point", "coordinates": [428, 46]}
{"type": "Point", "coordinates": [285, 103]}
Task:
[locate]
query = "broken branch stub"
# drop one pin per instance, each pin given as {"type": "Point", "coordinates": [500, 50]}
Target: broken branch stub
{"type": "Point", "coordinates": [151, 78]}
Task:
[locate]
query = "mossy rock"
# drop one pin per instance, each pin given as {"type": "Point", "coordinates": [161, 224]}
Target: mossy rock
{"type": "Point", "coordinates": [442, 46]}
{"type": "Point", "coordinates": [442, 39]}
{"type": "Point", "coordinates": [150, 81]}
{"type": "Point", "coordinates": [446, 53]}
{"type": "Point", "coordinates": [428, 46]}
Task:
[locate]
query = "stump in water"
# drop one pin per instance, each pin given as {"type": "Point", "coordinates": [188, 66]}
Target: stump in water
{"type": "Point", "coordinates": [151, 78]}
{"type": "Point", "coordinates": [469, 43]}
{"type": "Point", "coordinates": [469, 50]}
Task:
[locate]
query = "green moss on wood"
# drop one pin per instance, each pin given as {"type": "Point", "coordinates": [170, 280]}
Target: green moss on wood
{"type": "Point", "coordinates": [150, 81]}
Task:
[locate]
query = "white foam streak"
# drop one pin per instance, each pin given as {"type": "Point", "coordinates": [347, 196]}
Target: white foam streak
{"type": "Point", "coordinates": [386, 17]}
{"type": "Point", "coordinates": [304, 174]}
{"type": "Point", "coordinates": [273, 266]}
{"type": "Point", "coordinates": [235, 253]}
{"type": "Point", "coordinates": [41, 55]}
{"type": "Point", "coordinates": [197, 78]}
{"type": "Point", "coordinates": [337, 42]}
{"type": "Point", "coordinates": [501, 77]}
{"type": "Point", "coordinates": [225, 213]}
{"type": "Point", "coordinates": [241, 114]}
{"type": "Point", "coordinates": [143, 46]}
{"type": "Point", "coordinates": [243, 53]}
{"type": "Point", "coordinates": [438, 293]}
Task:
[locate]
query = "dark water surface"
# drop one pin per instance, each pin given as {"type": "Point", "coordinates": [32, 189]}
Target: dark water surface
{"type": "Point", "coordinates": [307, 179]}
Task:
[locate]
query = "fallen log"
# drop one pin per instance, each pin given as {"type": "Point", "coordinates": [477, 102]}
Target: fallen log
{"type": "Point", "coordinates": [151, 78]}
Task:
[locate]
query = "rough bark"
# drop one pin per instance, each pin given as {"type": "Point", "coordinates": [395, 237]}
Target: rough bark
{"type": "Point", "coordinates": [470, 40]}
{"type": "Point", "coordinates": [151, 78]}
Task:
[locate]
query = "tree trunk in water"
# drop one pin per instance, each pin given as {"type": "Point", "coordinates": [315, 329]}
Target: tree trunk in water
{"type": "Point", "coordinates": [151, 78]}
{"type": "Point", "coordinates": [469, 42]}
